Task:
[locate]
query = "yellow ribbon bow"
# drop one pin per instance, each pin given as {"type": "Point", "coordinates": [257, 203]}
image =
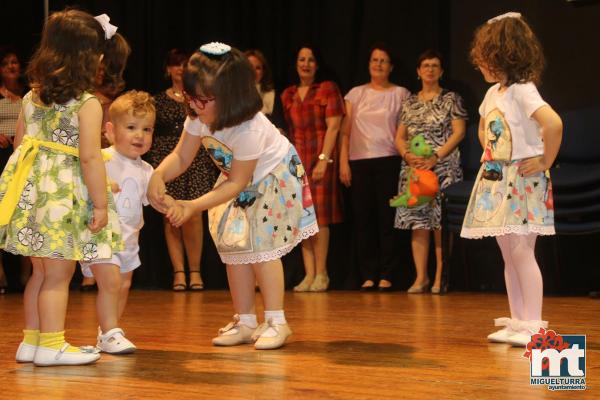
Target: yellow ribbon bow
{"type": "Point", "coordinates": [28, 151]}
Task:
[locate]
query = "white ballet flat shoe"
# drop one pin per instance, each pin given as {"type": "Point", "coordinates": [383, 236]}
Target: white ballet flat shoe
{"type": "Point", "coordinates": [25, 353]}
{"type": "Point", "coordinates": [46, 357]}
{"type": "Point", "coordinates": [234, 333]}
{"type": "Point", "coordinates": [265, 341]}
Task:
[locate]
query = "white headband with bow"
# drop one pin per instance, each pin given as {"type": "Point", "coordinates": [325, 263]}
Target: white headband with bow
{"type": "Point", "coordinates": [511, 14]}
{"type": "Point", "coordinates": [215, 48]}
{"type": "Point", "coordinates": [109, 29]}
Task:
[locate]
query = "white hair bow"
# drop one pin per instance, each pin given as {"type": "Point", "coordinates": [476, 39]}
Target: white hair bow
{"type": "Point", "coordinates": [215, 48]}
{"type": "Point", "coordinates": [511, 14]}
{"type": "Point", "coordinates": [109, 29]}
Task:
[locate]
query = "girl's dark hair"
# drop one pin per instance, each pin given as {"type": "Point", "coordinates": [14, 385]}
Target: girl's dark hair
{"type": "Point", "coordinates": [116, 53]}
{"type": "Point", "coordinates": [230, 79]}
{"type": "Point", "coordinates": [266, 83]}
{"type": "Point", "coordinates": [383, 47]}
{"type": "Point", "coordinates": [66, 62]}
{"type": "Point", "coordinates": [428, 55]}
{"type": "Point", "coordinates": [509, 47]}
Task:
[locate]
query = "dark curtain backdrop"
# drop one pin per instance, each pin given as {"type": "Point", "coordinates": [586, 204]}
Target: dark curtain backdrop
{"type": "Point", "coordinates": [344, 31]}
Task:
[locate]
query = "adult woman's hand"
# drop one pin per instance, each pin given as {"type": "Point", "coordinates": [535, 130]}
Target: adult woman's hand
{"type": "Point", "coordinates": [428, 162]}
{"type": "Point", "coordinates": [413, 160]}
{"type": "Point", "coordinates": [319, 170]}
{"type": "Point", "coordinates": [345, 173]}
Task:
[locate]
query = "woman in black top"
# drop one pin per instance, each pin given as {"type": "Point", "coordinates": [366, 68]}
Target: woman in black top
{"type": "Point", "coordinates": [197, 180]}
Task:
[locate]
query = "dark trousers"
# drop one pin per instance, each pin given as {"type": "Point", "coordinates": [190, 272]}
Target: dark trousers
{"type": "Point", "coordinates": [374, 183]}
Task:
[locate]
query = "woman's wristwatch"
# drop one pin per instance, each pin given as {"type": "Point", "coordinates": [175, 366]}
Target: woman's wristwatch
{"type": "Point", "coordinates": [323, 157]}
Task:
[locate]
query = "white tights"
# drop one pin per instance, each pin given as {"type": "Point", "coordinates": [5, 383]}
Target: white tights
{"type": "Point", "coordinates": [522, 275]}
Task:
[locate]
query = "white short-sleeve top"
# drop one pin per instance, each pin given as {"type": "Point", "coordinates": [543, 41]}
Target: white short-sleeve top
{"type": "Point", "coordinates": [517, 104]}
{"type": "Point", "coordinates": [255, 139]}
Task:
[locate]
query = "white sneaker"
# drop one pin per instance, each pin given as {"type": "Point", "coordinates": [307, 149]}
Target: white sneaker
{"type": "Point", "coordinates": [25, 353]}
{"type": "Point", "coordinates": [115, 342]}
{"type": "Point", "coordinates": [45, 357]}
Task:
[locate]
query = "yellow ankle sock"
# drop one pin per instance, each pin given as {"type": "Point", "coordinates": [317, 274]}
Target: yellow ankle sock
{"type": "Point", "coordinates": [31, 336]}
{"type": "Point", "coordinates": [55, 340]}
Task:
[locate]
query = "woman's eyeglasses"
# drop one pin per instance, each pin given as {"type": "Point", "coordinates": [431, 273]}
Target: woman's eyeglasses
{"type": "Point", "coordinates": [201, 102]}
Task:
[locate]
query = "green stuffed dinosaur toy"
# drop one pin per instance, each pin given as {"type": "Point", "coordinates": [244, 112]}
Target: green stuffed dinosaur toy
{"type": "Point", "coordinates": [421, 185]}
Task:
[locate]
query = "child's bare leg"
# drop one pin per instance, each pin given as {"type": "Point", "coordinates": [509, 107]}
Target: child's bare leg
{"type": "Point", "coordinates": [108, 278]}
{"type": "Point", "coordinates": [241, 285]}
{"type": "Point", "coordinates": [54, 294]}
{"type": "Point", "coordinates": [124, 291]}
{"type": "Point", "coordinates": [270, 280]}
{"type": "Point", "coordinates": [276, 331]}
{"type": "Point", "coordinates": [32, 291]}
{"type": "Point", "coordinates": [25, 269]}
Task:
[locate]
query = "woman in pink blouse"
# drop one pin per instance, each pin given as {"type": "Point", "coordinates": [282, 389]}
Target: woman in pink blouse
{"type": "Point", "coordinates": [369, 166]}
{"type": "Point", "coordinates": [313, 111]}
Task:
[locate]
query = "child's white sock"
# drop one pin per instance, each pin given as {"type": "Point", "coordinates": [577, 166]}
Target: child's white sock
{"type": "Point", "coordinates": [278, 318]}
{"type": "Point", "coordinates": [249, 320]}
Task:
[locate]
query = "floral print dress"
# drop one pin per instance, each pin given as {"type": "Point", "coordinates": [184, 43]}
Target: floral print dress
{"type": "Point", "coordinates": [53, 210]}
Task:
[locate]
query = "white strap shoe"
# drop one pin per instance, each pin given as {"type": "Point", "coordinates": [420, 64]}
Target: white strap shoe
{"type": "Point", "coordinates": [115, 342]}
{"type": "Point", "coordinates": [46, 357]}
{"type": "Point", "coordinates": [234, 333]}
{"type": "Point", "coordinates": [270, 336]}
{"type": "Point", "coordinates": [25, 353]}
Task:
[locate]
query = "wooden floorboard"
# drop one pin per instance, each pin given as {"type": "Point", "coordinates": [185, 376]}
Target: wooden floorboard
{"type": "Point", "coordinates": [346, 345]}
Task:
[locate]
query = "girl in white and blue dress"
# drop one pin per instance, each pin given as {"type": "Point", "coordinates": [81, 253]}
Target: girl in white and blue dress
{"type": "Point", "coordinates": [260, 207]}
{"type": "Point", "coordinates": [512, 197]}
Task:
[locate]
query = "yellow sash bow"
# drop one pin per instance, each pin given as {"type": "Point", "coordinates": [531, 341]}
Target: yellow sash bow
{"type": "Point", "coordinates": [28, 151]}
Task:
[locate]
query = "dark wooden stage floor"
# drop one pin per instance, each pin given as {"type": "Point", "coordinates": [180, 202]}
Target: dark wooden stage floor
{"type": "Point", "coordinates": [346, 345]}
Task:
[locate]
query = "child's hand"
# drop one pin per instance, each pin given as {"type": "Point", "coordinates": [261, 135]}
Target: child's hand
{"type": "Point", "coordinates": [114, 187]}
{"type": "Point", "coordinates": [156, 192]}
{"type": "Point", "coordinates": [180, 212]}
{"type": "Point", "coordinates": [99, 219]}
{"type": "Point", "coordinates": [169, 201]}
{"type": "Point", "coordinates": [532, 166]}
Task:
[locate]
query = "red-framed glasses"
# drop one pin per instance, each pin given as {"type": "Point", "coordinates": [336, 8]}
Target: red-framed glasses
{"type": "Point", "coordinates": [201, 102]}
